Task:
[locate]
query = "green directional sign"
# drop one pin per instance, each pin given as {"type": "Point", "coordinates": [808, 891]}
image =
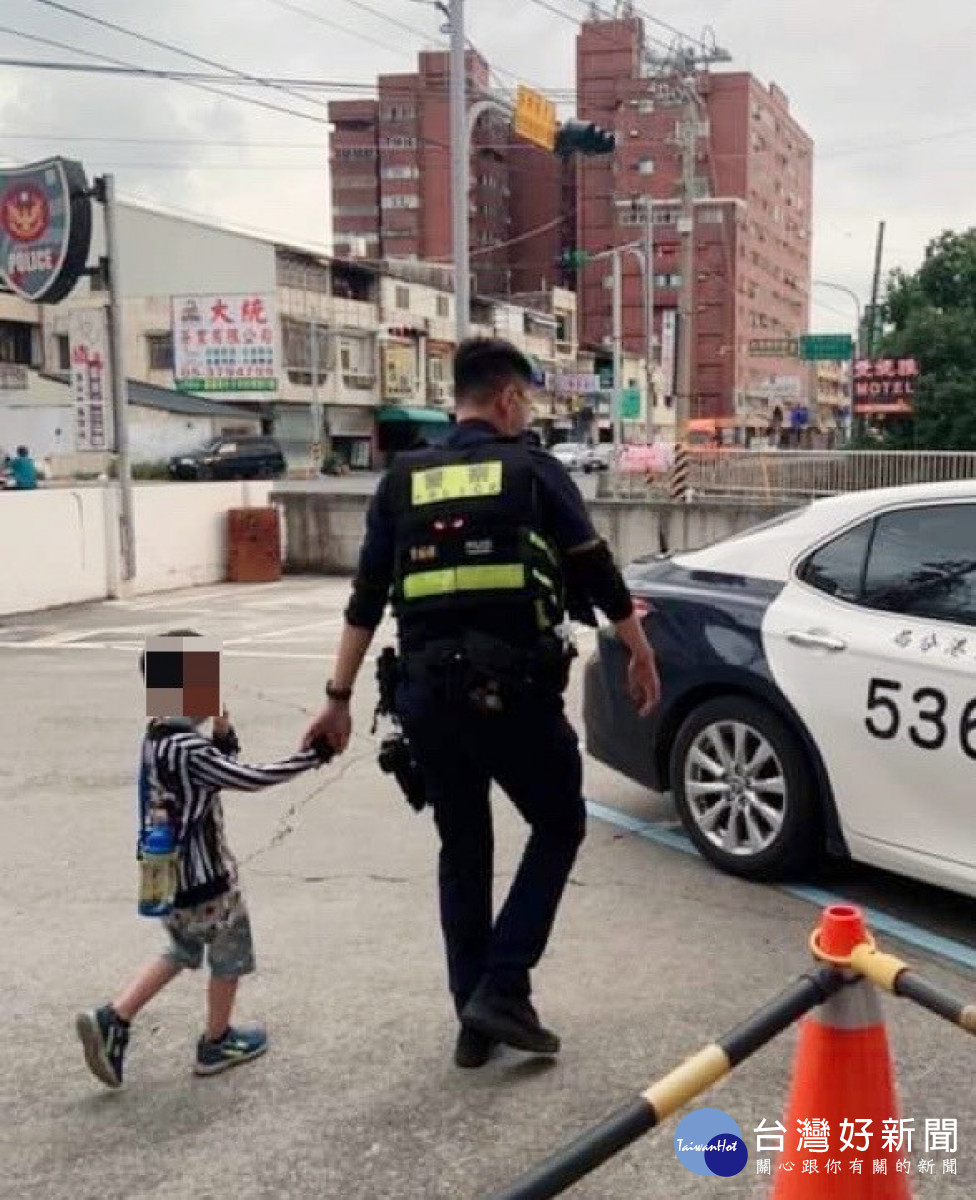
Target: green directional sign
{"type": "Point", "coordinates": [826, 347]}
{"type": "Point", "coordinates": [630, 404]}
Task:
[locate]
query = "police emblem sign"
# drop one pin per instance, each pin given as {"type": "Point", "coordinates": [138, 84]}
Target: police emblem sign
{"type": "Point", "coordinates": [45, 228]}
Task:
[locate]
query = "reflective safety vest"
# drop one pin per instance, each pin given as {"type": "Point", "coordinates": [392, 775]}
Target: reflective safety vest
{"type": "Point", "coordinates": [467, 537]}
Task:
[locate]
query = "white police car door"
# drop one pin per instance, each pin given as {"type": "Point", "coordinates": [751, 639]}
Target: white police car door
{"type": "Point", "coordinates": [873, 641]}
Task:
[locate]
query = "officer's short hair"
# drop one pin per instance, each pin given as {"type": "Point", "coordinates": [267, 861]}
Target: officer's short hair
{"type": "Point", "coordinates": [484, 366]}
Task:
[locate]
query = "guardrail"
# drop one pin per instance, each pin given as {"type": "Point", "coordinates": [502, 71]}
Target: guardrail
{"type": "Point", "coordinates": [791, 474]}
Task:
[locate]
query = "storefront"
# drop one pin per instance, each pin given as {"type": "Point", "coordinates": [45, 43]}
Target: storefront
{"type": "Point", "coordinates": [351, 434]}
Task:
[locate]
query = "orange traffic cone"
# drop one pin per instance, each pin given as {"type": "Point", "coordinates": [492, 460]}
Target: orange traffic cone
{"type": "Point", "coordinates": [842, 1100]}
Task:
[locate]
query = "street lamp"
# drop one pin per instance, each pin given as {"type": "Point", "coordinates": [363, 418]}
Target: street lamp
{"type": "Point", "coordinates": [839, 287]}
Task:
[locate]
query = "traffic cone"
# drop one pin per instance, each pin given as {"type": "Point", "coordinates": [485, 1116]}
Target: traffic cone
{"type": "Point", "coordinates": [842, 1073]}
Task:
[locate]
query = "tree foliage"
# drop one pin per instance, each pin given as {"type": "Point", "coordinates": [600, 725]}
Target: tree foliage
{"type": "Point", "coordinates": [932, 318]}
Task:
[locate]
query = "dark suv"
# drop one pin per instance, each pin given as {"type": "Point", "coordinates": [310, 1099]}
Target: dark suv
{"type": "Point", "coordinates": [231, 458]}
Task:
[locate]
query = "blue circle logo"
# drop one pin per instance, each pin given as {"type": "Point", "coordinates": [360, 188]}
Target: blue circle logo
{"type": "Point", "coordinates": [709, 1142]}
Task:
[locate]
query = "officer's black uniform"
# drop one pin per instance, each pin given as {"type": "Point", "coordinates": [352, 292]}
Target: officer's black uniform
{"type": "Point", "coordinates": [472, 540]}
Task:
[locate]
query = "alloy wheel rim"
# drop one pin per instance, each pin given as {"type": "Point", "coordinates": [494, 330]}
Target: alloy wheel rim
{"type": "Point", "coordinates": [735, 787]}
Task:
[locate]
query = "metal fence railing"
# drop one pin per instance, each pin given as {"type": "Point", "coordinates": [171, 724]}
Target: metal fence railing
{"type": "Point", "coordinates": [792, 474]}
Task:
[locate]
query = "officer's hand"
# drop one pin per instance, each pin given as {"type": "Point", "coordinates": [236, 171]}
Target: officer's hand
{"type": "Point", "coordinates": [334, 723]}
{"type": "Point", "coordinates": [221, 725]}
{"type": "Point", "coordinates": [643, 683]}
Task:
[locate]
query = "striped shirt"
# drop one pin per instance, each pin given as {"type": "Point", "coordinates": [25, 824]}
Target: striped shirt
{"type": "Point", "coordinates": [186, 770]}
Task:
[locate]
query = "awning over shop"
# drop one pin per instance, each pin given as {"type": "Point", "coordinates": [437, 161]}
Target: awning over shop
{"type": "Point", "coordinates": [430, 416]}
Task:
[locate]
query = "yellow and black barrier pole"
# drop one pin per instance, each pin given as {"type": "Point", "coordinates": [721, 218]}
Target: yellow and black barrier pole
{"type": "Point", "coordinates": [674, 1090]}
{"type": "Point", "coordinates": [898, 978]}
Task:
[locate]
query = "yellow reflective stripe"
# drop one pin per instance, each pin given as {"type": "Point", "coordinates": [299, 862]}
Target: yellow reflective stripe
{"type": "Point", "coordinates": [488, 577]}
{"type": "Point", "coordinates": [542, 544]}
{"type": "Point", "coordinates": [484, 578]}
{"type": "Point", "coordinates": [544, 580]}
{"type": "Point", "coordinates": [461, 481]}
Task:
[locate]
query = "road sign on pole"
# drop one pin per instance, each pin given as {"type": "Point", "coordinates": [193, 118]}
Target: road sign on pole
{"type": "Point", "coordinates": [826, 347]}
{"type": "Point", "coordinates": [630, 403]}
{"type": "Point", "coordinates": [535, 118]}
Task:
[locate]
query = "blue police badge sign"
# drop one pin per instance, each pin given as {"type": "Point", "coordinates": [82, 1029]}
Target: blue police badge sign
{"type": "Point", "coordinates": [45, 228]}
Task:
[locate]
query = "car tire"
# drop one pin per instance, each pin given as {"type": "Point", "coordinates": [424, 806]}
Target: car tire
{"type": "Point", "coordinates": [777, 802]}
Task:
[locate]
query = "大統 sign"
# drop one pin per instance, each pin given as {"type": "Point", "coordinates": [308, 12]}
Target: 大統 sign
{"type": "Point", "coordinates": [45, 229]}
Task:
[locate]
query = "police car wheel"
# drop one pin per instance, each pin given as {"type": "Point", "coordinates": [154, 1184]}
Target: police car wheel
{"type": "Point", "coordinates": [744, 789]}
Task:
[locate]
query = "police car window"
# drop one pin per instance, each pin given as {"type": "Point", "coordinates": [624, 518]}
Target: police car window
{"type": "Point", "coordinates": [923, 563]}
{"type": "Point", "coordinates": [838, 567]}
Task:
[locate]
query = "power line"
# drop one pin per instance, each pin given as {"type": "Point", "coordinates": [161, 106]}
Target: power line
{"type": "Point", "coordinates": [120, 62]}
{"type": "Point", "coordinates": [353, 87]}
{"type": "Point", "coordinates": [314, 16]}
{"type": "Point", "coordinates": [598, 30]}
{"type": "Point", "coordinates": [57, 6]}
{"type": "Point", "coordinates": [154, 141]}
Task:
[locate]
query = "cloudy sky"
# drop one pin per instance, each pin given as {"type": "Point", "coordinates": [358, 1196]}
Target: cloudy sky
{"type": "Point", "coordinates": [886, 88]}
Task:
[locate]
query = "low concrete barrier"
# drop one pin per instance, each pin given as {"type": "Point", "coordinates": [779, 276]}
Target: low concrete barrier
{"type": "Point", "coordinates": [324, 529]}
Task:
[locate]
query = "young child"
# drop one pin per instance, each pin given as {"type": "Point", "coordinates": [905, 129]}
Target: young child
{"type": "Point", "coordinates": [209, 913]}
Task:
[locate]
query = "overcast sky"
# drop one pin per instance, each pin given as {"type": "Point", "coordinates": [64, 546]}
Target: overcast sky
{"type": "Point", "coordinates": [886, 88]}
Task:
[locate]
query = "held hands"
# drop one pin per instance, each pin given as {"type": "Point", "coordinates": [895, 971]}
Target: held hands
{"type": "Point", "coordinates": [643, 684]}
{"type": "Point", "coordinates": [332, 726]}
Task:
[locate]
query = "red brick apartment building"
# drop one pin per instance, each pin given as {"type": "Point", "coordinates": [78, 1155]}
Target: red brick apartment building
{"type": "Point", "coordinates": [391, 195]}
{"type": "Point", "coordinates": [752, 244]}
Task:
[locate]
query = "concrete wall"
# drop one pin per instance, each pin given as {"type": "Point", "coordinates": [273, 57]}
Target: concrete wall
{"type": "Point", "coordinates": [60, 545]}
{"type": "Point", "coordinates": [325, 530]}
{"type": "Point", "coordinates": [54, 548]}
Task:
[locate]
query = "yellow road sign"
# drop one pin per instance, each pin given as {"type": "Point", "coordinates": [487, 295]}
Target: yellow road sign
{"type": "Point", "coordinates": [535, 118]}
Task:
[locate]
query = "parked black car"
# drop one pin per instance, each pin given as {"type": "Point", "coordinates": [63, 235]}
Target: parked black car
{"type": "Point", "coordinates": [231, 458]}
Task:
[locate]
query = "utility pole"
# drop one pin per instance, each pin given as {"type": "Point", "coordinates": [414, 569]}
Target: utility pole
{"type": "Point", "coordinates": [649, 313]}
{"type": "Point", "coordinates": [106, 193]}
{"type": "Point", "coordinates": [875, 288]}
{"type": "Point", "coordinates": [688, 139]}
{"type": "Point", "coordinates": [616, 396]}
{"type": "Point", "coordinates": [460, 168]}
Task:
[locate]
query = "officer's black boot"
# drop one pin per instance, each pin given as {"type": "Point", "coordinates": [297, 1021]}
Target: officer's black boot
{"type": "Point", "coordinates": [473, 1049]}
{"type": "Point", "coordinates": [510, 1019]}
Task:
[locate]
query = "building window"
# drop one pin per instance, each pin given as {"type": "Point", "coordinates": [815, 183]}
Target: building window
{"type": "Point", "coordinates": [63, 343]}
{"type": "Point", "coordinates": [645, 166]}
{"type": "Point", "coordinates": [710, 216]}
{"type": "Point", "coordinates": [435, 370]}
{"type": "Point", "coordinates": [400, 173]}
{"type": "Point", "coordinates": [402, 297]}
{"type": "Point", "coordinates": [355, 152]}
{"type": "Point", "coordinates": [400, 201]}
{"type": "Point", "coordinates": [443, 309]}
{"type": "Point", "coordinates": [160, 351]}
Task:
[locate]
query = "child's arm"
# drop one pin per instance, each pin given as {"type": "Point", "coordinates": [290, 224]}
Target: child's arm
{"type": "Point", "coordinates": [207, 765]}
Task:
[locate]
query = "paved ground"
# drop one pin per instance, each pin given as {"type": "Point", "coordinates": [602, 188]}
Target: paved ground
{"type": "Point", "coordinates": [654, 954]}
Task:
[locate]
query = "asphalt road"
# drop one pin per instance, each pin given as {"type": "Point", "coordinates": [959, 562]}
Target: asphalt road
{"type": "Point", "coordinates": [654, 954]}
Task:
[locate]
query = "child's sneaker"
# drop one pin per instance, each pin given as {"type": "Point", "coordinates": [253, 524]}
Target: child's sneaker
{"type": "Point", "coordinates": [236, 1046]}
{"type": "Point", "coordinates": [104, 1038]}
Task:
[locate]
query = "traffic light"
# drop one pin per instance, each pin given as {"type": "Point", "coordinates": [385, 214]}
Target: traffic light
{"type": "Point", "coordinates": [583, 137]}
{"type": "Point", "coordinates": [573, 260]}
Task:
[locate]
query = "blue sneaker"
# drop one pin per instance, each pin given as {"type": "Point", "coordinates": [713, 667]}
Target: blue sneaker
{"type": "Point", "coordinates": [236, 1046]}
{"type": "Point", "coordinates": [104, 1038]}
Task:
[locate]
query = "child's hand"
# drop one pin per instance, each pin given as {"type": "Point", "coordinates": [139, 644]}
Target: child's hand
{"type": "Point", "coordinates": [221, 725]}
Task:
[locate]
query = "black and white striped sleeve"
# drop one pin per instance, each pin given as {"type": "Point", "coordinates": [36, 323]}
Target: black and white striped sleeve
{"type": "Point", "coordinates": [207, 765]}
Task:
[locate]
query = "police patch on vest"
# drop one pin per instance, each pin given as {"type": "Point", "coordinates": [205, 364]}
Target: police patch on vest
{"type": "Point", "coordinates": [460, 481]}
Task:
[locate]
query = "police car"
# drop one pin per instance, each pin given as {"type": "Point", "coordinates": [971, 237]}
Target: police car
{"type": "Point", "coordinates": [818, 687]}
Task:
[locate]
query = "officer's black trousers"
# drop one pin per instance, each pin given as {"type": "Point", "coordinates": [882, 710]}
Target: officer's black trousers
{"type": "Point", "coordinates": [532, 752]}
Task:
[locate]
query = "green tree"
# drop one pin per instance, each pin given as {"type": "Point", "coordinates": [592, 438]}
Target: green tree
{"type": "Point", "coordinates": [932, 318]}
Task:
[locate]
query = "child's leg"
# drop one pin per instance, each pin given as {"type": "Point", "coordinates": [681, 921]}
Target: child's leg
{"type": "Point", "coordinates": [149, 982]}
{"type": "Point", "coordinates": [221, 994]}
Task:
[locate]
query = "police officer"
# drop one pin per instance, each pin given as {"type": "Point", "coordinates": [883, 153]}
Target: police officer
{"type": "Point", "coordinates": [479, 542]}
